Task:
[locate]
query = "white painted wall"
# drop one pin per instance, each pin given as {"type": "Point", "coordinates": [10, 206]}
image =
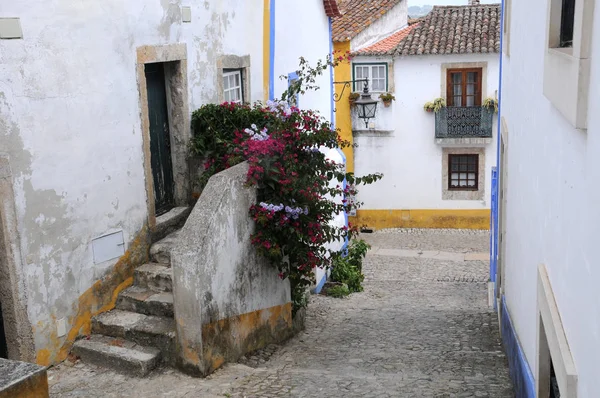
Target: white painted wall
{"type": "Point", "coordinates": [402, 144]}
{"type": "Point", "coordinates": [70, 123]}
{"type": "Point", "coordinates": [394, 20]}
{"type": "Point", "coordinates": [553, 196]}
{"type": "Point", "coordinates": [311, 41]}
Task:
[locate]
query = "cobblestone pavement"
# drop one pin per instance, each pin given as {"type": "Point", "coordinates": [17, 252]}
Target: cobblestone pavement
{"type": "Point", "coordinates": [421, 328]}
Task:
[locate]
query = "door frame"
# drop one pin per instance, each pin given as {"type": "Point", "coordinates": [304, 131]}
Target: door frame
{"type": "Point", "coordinates": [174, 57]}
{"type": "Point", "coordinates": [18, 329]}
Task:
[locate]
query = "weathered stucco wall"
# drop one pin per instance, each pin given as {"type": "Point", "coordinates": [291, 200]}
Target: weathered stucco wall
{"type": "Point", "coordinates": [70, 127]}
{"type": "Point", "coordinates": [228, 300]}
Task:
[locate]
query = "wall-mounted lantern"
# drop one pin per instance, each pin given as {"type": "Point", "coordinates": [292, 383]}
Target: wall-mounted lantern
{"type": "Point", "coordinates": [366, 106]}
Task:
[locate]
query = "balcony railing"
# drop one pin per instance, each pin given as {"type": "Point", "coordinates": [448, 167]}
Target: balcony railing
{"type": "Point", "coordinates": [464, 122]}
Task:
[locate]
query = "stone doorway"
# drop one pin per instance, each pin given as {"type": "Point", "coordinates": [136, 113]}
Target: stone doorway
{"type": "Point", "coordinates": [173, 62]}
{"type": "Point", "coordinates": [16, 339]}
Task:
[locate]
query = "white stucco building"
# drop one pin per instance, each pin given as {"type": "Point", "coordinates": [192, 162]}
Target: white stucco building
{"type": "Point", "coordinates": [95, 104]}
{"type": "Point", "coordinates": [436, 166]}
{"type": "Point", "coordinates": [549, 170]}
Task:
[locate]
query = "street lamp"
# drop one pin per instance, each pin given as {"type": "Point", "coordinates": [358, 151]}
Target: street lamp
{"type": "Point", "coordinates": [366, 106]}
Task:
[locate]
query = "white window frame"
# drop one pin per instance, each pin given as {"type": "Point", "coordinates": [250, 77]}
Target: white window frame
{"type": "Point", "coordinates": [567, 70]}
{"type": "Point", "coordinates": [231, 89]}
{"type": "Point", "coordinates": [358, 87]}
{"type": "Point", "coordinates": [552, 343]}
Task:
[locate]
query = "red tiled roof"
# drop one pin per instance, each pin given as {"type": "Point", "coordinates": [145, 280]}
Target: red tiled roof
{"type": "Point", "coordinates": [445, 30]}
{"type": "Point", "coordinates": [455, 30]}
{"type": "Point", "coordinates": [357, 15]}
{"type": "Point", "coordinates": [387, 45]}
{"type": "Point", "coordinates": [331, 8]}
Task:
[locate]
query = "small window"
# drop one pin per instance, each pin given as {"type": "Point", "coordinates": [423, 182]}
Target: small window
{"type": "Point", "coordinates": [376, 75]}
{"type": "Point", "coordinates": [463, 172]}
{"type": "Point", "coordinates": [233, 86]}
{"type": "Point", "coordinates": [464, 87]}
{"type": "Point", "coordinates": [567, 21]}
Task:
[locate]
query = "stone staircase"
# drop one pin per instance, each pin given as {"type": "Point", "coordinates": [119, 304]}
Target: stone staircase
{"type": "Point", "coordinates": [139, 334]}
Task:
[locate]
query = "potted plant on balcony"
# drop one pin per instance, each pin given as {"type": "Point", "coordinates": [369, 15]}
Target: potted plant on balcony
{"type": "Point", "coordinates": [435, 105]}
{"type": "Point", "coordinates": [352, 97]}
{"type": "Point", "coordinates": [491, 103]}
{"type": "Point", "coordinates": [387, 99]}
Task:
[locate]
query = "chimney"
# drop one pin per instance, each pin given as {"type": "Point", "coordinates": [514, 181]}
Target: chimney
{"type": "Point", "coordinates": [473, 2]}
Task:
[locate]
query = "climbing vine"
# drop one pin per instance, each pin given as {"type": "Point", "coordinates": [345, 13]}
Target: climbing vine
{"type": "Point", "coordinates": [300, 191]}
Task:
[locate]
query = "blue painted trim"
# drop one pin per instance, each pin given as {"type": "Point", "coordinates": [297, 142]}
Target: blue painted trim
{"type": "Point", "coordinates": [272, 51]}
{"type": "Point", "coordinates": [321, 284]}
{"type": "Point", "coordinates": [520, 372]}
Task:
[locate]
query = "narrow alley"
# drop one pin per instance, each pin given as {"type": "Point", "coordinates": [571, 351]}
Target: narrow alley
{"type": "Point", "coordinates": [421, 328]}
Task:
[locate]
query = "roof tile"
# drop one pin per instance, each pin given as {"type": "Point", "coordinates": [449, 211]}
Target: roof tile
{"type": "Point", "coordinates": [454, 30]}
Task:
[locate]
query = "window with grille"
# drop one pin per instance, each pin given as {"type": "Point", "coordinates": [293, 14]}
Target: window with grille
{"type": "Point", "coordinates": [464, 87]}
{"type": "Point", "coordinates": [567, 21]}
{"type": "Point", "coordinates": [376, 74]}
{"type": "Point", "coordinates": [233, 86]}
{"type": "Point", "coordinates": [463, 173]}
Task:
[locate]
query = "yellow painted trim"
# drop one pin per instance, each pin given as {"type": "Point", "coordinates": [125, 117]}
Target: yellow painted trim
{"type": "Point", "coordinates": [266, 47]}
{"type": "Point", "coordinates": [444, 218]}
{"type": "Point", "coordinates": [100, 297]}
{"type": "Point", "coordinates": [343, 119]}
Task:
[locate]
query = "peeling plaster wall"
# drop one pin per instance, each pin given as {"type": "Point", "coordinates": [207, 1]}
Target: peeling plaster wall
{"type": "Point", "coordinates": [402, 145]}
{"type": "Point", "coordinates": [228, 299]}
{"type": "Point", "coordinates": [70, 127]}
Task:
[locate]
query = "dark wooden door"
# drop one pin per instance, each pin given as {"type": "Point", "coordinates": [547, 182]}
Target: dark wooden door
{"type": "Point", "coordinates": [160, 139]}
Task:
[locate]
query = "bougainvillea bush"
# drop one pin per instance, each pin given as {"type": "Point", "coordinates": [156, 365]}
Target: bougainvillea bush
{"type": "Point", "coordinates": [294, 211]}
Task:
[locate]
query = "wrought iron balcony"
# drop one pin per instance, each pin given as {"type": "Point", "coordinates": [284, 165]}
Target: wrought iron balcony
{"type": "Point", "coordinates": [464, 122]}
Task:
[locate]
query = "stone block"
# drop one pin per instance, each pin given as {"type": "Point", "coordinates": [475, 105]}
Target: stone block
{"type": "Point", "coordinates": [228, 300]}
{"type": "Point", "coordinates": [22, 380]}
{"type": "Point", "coordinates": [120, 355]}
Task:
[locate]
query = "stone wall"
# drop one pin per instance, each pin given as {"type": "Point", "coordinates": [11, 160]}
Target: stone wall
{"type": "Point", "coordinates": [228, 300]}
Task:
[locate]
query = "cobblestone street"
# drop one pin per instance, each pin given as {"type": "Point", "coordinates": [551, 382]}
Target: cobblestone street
{"type": "Point", "coordinates": [421, 328]}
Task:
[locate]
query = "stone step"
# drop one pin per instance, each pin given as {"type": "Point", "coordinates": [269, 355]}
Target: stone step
{"type": "Point", "coordinates": [146, 330]}
{"type": "Point", "coordinates": [120, 355]}
{"type": "Point", "coordinates": [169, 222]}
{"type": "Point", "coordinates": [154, 276]}
{"type": "Point", "coordinates": [160, 251]}
{"type": "Point", "coordinates": [145, 301]}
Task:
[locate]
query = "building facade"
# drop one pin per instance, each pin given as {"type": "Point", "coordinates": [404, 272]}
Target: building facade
{"type": "Point", "coordinates": [436, 165]}
{"type": "Point", "coordinates": [549, 150]}
{"type": "Point", "coordinates": [95, 106]}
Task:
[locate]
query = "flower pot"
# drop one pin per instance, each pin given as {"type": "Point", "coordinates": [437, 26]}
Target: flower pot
{"type": "Point", "coordinates": [429, 110]}
{"type": "Point", "coordinates": [387, 103]}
